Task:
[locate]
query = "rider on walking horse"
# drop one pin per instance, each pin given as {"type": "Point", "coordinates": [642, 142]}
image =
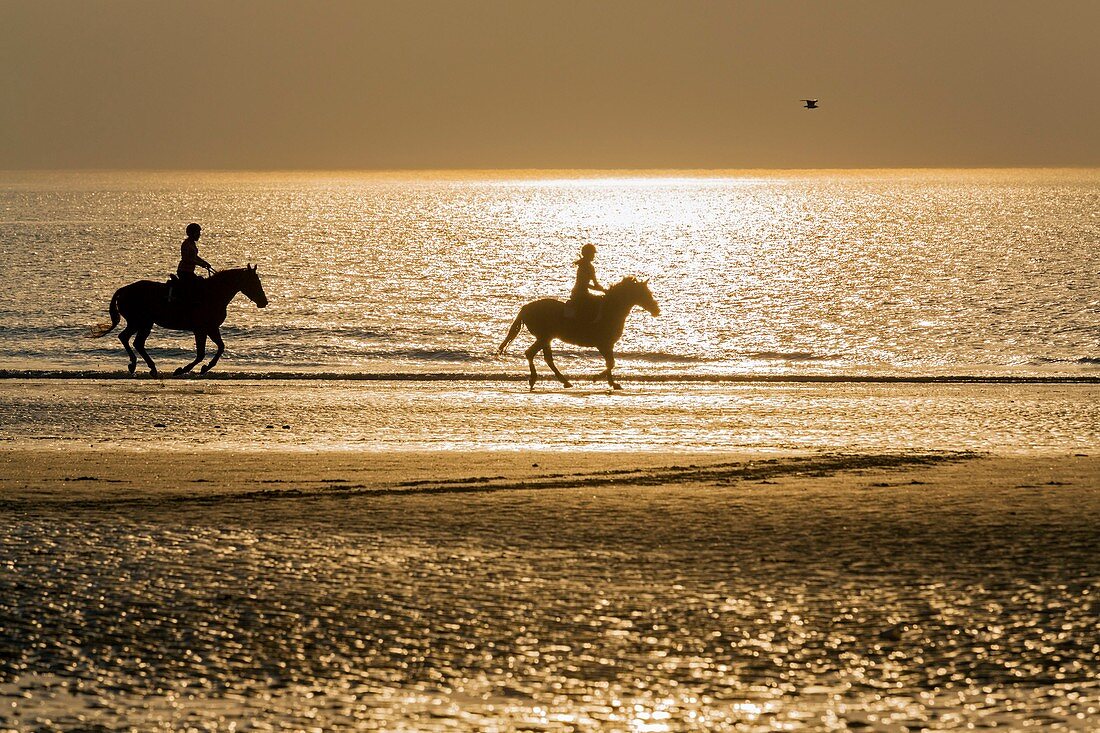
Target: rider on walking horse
{"type": "Point", "coordinates": [582, 303]}
{"type": "Point", "coordinates": [186, 284]}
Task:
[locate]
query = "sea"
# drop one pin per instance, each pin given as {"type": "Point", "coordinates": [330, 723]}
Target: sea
{"type": "Point", "coordinates": [799, 309]}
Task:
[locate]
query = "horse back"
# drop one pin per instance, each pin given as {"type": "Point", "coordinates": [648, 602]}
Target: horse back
{"type": "Point", "coordinates": [142, 292]}
{"type": "Point", "coordinates": [142, 299]}
{"type": "Point", "coordinates": [545, 318]}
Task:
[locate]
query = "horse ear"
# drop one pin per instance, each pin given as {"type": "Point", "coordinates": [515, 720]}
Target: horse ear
{"type": "Point", "coordinates": [251, 267]}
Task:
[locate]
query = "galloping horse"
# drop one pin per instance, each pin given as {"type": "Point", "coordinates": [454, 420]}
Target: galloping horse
{"type": "Point", "coordinates": [145, 303]}
{"type": "Point", "coordinates": [546, 321]}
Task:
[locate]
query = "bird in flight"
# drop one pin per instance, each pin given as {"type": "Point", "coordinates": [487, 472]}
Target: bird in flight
{"type": "Point", "coordinates": [810, 103]}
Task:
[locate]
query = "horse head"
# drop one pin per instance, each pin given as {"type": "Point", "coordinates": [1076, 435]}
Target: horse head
{"type": "Point", "coordinates": [637, 293]}
{"type": "Point", "coordinates": [252, 287]}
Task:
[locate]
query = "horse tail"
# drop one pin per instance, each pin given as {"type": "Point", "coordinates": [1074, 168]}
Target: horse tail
{"type": "Point", "coordinates": [102, 329]}
{"type": "Point", "coordinates": [512, 333]}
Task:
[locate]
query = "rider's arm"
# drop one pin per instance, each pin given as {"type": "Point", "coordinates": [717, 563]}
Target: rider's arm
{"type": "Point", "coordinates": [586, 274]}
{"type": "Point", "coordinates": [202, 262]}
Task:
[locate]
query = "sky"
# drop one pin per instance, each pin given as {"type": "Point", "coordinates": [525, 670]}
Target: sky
{"type": "Point", "coordinates": [638, 84]}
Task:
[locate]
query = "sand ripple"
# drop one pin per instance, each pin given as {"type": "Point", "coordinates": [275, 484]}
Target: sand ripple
{"type": "Point", "coordinates": [631, 609]}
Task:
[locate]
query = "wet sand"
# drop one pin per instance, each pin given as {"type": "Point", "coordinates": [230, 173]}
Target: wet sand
{"type": "Point", "coordinates": [479, 591]}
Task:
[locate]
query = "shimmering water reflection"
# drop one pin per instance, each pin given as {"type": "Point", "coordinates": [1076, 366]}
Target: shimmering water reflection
{"type": "Point", "coordinates": [835, 272]}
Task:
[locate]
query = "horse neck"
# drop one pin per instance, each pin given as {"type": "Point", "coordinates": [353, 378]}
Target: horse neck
{"type": "Point", "coordinates": [223, 286]}
{"type": "Point", "coordinates": [617, 305]}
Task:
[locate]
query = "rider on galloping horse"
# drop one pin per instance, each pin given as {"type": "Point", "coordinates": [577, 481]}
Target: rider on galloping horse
{"type": "Point", "coordinates": [186, 284]}
{"type": "Point", "coordinates": [582, 303]}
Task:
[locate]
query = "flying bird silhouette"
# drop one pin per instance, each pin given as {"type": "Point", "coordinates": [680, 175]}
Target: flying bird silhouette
{"type": "Point", "coordinates": [810, 103]}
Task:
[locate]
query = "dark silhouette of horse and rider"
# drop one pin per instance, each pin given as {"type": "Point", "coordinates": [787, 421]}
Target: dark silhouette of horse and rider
{"type": "Point", "coordinates": [585, 320]}
{"type": "Point", "coordinates": [188, 302]}
{"type": "Point", "coordinates": [185, 303]}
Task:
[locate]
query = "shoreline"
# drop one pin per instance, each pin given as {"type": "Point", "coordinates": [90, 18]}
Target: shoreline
{"type": "Point", "coordinates": [517, 376]}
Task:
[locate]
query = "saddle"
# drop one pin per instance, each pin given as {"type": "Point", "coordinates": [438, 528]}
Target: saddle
{"type": "Point", "coordinates": [586, 310]}
{"type": "Point", "coordinates": [182, 292]}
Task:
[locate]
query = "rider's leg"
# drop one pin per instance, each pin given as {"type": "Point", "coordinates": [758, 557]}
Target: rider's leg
{"type": "Point", "coordinates": [596, 309]}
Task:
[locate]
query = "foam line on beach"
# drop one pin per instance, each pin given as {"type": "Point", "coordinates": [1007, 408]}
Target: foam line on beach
{"type": "Point", "coordinates": [254, 376]}
{"type": "Point", "coordinates": [716, 474]}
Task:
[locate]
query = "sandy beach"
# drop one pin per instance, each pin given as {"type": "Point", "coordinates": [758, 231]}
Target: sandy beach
{"type": "Point", "coordinates": [548, 591]}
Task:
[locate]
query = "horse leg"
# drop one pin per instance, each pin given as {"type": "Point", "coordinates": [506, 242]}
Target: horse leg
{"type": "Point", "coordinates": [139, 344]}
{"type": "Point", "coordinates": [609, 359]}
{"type": "Point", "coordinates": [124, 337]}
{"type": "Point", "coordinates": [216, 337]}
{"type": "Point", "coordinates": [530, 354]}
{"type": "Point", "coordinates": [548, 354]}
{"type": "Point", "coordinates": [200, 353]}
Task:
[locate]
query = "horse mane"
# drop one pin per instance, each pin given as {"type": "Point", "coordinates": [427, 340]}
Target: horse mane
{"type": "Point", "coordinates": [229, 271]}
{"type": "Point", "coordinates": [625, 282]}
{"type": "Point", "coordinates": [221, 274]}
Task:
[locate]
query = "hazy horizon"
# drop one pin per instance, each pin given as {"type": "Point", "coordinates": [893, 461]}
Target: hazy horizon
{"type": "Point", "coordinates": [549, 171]}
{"type": "Point", "coordinates": [494, 85]}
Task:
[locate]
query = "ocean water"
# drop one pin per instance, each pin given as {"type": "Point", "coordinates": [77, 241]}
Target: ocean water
{"type": "Point", "coordinates": [389, 294]}
{"type": "Point", "coordinates": [868, 272]}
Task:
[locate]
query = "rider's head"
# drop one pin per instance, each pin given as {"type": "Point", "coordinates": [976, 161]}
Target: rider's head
{"type": "Point", "coordinates": [588, 251]}
{"type": "Point", "coordinates": [193, 231]}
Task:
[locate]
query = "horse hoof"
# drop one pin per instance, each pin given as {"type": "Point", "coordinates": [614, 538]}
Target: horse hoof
{"type": "Point", "coordinates": [616, 385]}
{"type": "Point", "coordinates": [131, 369]}
{"type": "Point", "coordinates": [205, 369]}
{"type": "Point", "coordinates": [154, 373]}
{"type": "Point", "coordinates": [179, 371]}
{"type": "Point", "coordinates": [567, 385]}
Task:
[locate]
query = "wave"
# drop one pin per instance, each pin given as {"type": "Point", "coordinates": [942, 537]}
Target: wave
{"type": "Point", "coordinates": [789, 356]}
{"type": "Point", "coordinates": [423, 354]}
{"type": "Point", "coordinates": [512, 376]}
{"type": "Point", "coordinates": [288, 333]}
{"type": "Point", "coordinates": [303, 335]}
{"type": "Point", "coordinates": [265, 343]}
{"type": "Point", "coordinates": [1085, 360]}
{"type": "Point", "coordinates": [489, 355]}
{"type": "Point", "coordinates": [652, 357]}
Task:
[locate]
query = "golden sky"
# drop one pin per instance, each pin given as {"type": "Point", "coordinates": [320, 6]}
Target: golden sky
{"type": "Point", "coordinates": [265, 84]}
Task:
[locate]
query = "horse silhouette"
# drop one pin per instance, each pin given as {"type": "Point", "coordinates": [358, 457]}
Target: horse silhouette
{"type": "Point", "coordinates": [545, 319]}
{"type": "Point", "coordinates": [145, 303]}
